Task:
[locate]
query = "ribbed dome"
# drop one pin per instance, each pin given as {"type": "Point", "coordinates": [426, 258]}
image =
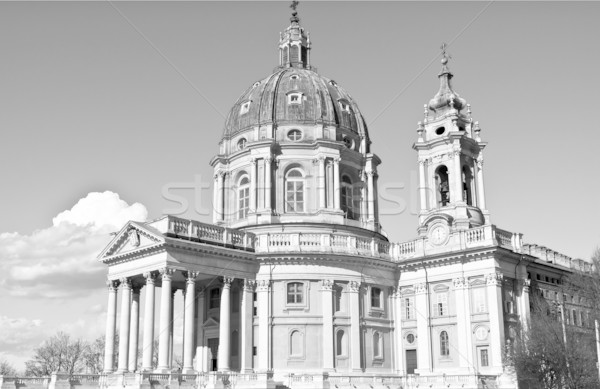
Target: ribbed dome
{"type": "Point", "coordinates": [294, 95]}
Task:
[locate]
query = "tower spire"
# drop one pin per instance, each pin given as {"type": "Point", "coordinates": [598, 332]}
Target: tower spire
{"type": "Point", "coordinates": [446, 99]}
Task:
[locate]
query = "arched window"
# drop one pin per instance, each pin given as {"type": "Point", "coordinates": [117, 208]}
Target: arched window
{"type": "Point", "coordinates": [350, 199]}
{"type": "Point", "coordinates": [442, 186]}
{"type": "Point", "coordinates": [467, 181]}
{"type": "Point", "coordinates": [340, 343]}
{"type": "Point", "coordinates": [243, 197]}
{"type": "Point", "coordinates": [375, 298]}
{"type": "Point", "coordinates": [294, 191]}
{"type": "Point", "coordinates": [296, 344]}
{"type": "Point", "coordinates": [444, 344]}
{"type": "Point", "coordinates": [377, 345]}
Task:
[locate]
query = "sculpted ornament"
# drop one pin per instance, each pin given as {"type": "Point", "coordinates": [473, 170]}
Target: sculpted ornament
{"type": "Point", "coordinates": [420, 288]}
{"type": "Point", "coordinates": [460, 283]}
{"type": "Point", "coordinates": [227, 281]}
{"type": "Point", "coordinates": [134, 237]}
{"type": "Point", "coordinates": [166, 273]}
{"type": "Point", "coordinates": [125, 283]}
{"type": "Point", "coordinates": [150, 277]}
{"type": "Point", "coordinates": [263, 285]}
{"type": "Point", "coordinates": [113, 285]}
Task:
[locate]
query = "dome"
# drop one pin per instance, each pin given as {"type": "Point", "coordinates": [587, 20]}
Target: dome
{"type": "Point", "coordinates": [294, 95]}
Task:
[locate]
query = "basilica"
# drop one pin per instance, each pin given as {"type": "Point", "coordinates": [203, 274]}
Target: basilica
{"type": "Point", "coordinates": [294, 284]}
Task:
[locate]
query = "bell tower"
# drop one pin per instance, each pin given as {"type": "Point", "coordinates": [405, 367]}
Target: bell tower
{"type": "Point", "coordinates": [449, 150]}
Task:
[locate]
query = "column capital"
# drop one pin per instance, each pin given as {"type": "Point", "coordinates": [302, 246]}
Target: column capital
{"type": "Point", "coordinates": [252, 161]}
{"type": "Point", "coordinates": [112, 285]}
{"type": "Point", "coordinates": [337, 160]}
{"type": "Point", "coordinates": [395, 292]}
{"type": "Point", "coordinates": [227, 281]}
{"type": "Point", "coordinates": [249, 285]}
{"type": "Point", "coordinates": [190, 276]}
{"type": "Point", "coordinates": [494, 278]}
{"type": "Point", "coordinates": [327, 285]}
{"type": "Point", "coordinates": [125, 283]}
{"type": "Point", "coordinates": [263, 285]}
{"type": "Point", "coordinates": [525, 283]}
{"type": "Point", "coordinates": [150, 277]}
{"type": "Point", "coordinates": [480, 163]}
{"type": "Point", "coordinates": [354, 286]}
{"type": "Point", "coordinates": [421, 288]}
{"type": "Point", "coordinates": [136, 287]}
{"type": "Point", "coordinates": [460, 283]}
{"type": "Point", "coordinates": [166, 273]}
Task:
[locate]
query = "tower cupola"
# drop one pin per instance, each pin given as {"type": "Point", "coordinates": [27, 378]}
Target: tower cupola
{"type": "Point", "coordinates": [450, 149]}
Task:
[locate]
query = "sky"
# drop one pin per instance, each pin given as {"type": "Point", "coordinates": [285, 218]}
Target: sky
{"type": "Point", "coordinates": [107, 109]}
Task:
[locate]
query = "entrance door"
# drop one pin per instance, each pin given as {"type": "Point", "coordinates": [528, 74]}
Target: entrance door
{"type": "Point", "coordinates": [213, 346]}
{"type": "Point", "coordinates": [411, 361]}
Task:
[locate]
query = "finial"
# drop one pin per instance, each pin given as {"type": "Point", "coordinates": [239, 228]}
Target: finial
{"type": "Point", "coordinates": [293, 6]}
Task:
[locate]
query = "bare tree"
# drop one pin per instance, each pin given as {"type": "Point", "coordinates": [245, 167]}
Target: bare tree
{"type": "Point", "coordinates": [59, 353]}
{"type": "Point", "coordinates": [551, 354]}
{"type": "Point", "coordinates": [7, 369]}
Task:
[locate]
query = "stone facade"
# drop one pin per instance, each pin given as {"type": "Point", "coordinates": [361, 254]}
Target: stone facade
{"type": "Point", "coordinates": [294, 284]}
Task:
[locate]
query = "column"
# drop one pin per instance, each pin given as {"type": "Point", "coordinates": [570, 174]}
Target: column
{"type": "Point", "coordinates": [246, 327]}
{"type": "Point", "coordinates": [398, 349]}
{"type": "Point", "coordinates": [480, 187]}
{"type": "Point", "coordinates": [200, 346]}
{"type": "Point", "coordinates": [464, 344]}
{"type": "Point", "coordinates": [220, 188]}
{"type": "Point", "coordinates": [188, 327]}
{"type": "Point", "coordinates": [355, 351]}
{"type": "Point", "coordinates": [336, 183]}
{"type": "Point", "coordinates": [171, 342]}
{"type": "Point", "coordinates": [494, 289]}
{"type": "Point", "coordinates": [370, 197]}
{"type": "Point", "coordinates": [328, 343]}
{"type": "Point", "coordinates": [458, 184]}
{"type": "Point", "coordinates": [111, 324]}
{"type": "Point", "coordinates": [524, 310]}
{"type": "Point", "coordinates": [148, 342]}
{"type": "Point", "coordinates": [321, 188]}
{"type": "Point", "coordinates": [124, 326]}
{"type": "Point", "coordinates": [253, 194]}
{"type": "Point", "coordinates": [224, 326]}
{"type": "Point", "coordinates": [268, 174]}
{"type": "Point", "coordinates": [422, 186]}
{"type": "Point", "coordinates": [165, 320]}
{"type": "Point", "coordinates": [215, 203]}
{"type": "Point", "coordinates": [423, 334]}
{"type": "Point", "coordinates": [134, 328]}
{"type": "Point", "coordinates": [264, 343]}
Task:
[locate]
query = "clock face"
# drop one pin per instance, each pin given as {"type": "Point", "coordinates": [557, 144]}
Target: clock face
{"type": "Point", "coordinates": [438, 235]}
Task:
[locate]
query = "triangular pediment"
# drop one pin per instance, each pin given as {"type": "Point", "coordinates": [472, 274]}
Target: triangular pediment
{"type": "Point", "coordinates": [132, 237]}
{"type": "Point", "coordinates": [211, 322]}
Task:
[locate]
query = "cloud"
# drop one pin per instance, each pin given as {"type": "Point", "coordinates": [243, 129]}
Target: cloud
{"type": "Point", "coordinates": [60, 261]}
{"type": "Point", "coordinates": [18, 337]}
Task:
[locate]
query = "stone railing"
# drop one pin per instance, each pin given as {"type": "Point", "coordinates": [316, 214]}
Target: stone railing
{"type": "Point", "coordinates": [547, 255]}
{"type": "Point", "coordinates": [324, 243]}
{"type": "Point", "coordinates": [209, 233]}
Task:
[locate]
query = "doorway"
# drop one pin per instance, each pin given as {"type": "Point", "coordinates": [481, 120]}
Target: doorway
{"type": "Point", "coordinates": [213, 347]}
{"type": "Point", "coordinates": [411, 361]}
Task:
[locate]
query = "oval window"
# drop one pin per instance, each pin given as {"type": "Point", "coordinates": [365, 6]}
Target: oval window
{"type": "Point", "coordinates": [410, 338]}
{"type": "Point", "coordinates": [440, 130]}
{"type": "Point", "coordinates": [294, 135]}
{"type": "Point", "coordinates": [241, 144]}
{"type": "Point", "coordinates": [348, 142]}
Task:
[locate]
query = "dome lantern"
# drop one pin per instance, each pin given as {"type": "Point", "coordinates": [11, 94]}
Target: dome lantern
{"type": "Point", "coordinates": [446, 100]}
{"type": "Point", "coordinates": [294, 43]}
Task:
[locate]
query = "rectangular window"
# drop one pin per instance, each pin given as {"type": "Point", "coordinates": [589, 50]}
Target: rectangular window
{"type": "Point", "coordinates": [294, 196]}
{"type": "Point", "coordinates": [375, 298]}
{"type": "Point", "coordinates": [244, 202]}
{"type": "Point", "coordinates": [408, 308]}
{"type": "Point", "coordinates": [214, 298]}
{"type": "Point", "coordinates": [484, 358]}
{"type": "Point", "coordinates": [295, 293]}
{"type": "Point", "coordinates": [442, 304]}
{"type": "Point", "coordinates": [479, 305]}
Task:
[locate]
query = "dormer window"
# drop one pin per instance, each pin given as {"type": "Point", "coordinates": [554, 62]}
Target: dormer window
{"type": "Point", "coordinates": [245, 108]}
{"type": "Point", "coordinates": [295, 98]}
{"type": "Point", "coordinates": [257, 83]}
{"type": "Point", "coordinates": [345, 106]}
{"type": "Point", "coordinates": [294, 77]}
